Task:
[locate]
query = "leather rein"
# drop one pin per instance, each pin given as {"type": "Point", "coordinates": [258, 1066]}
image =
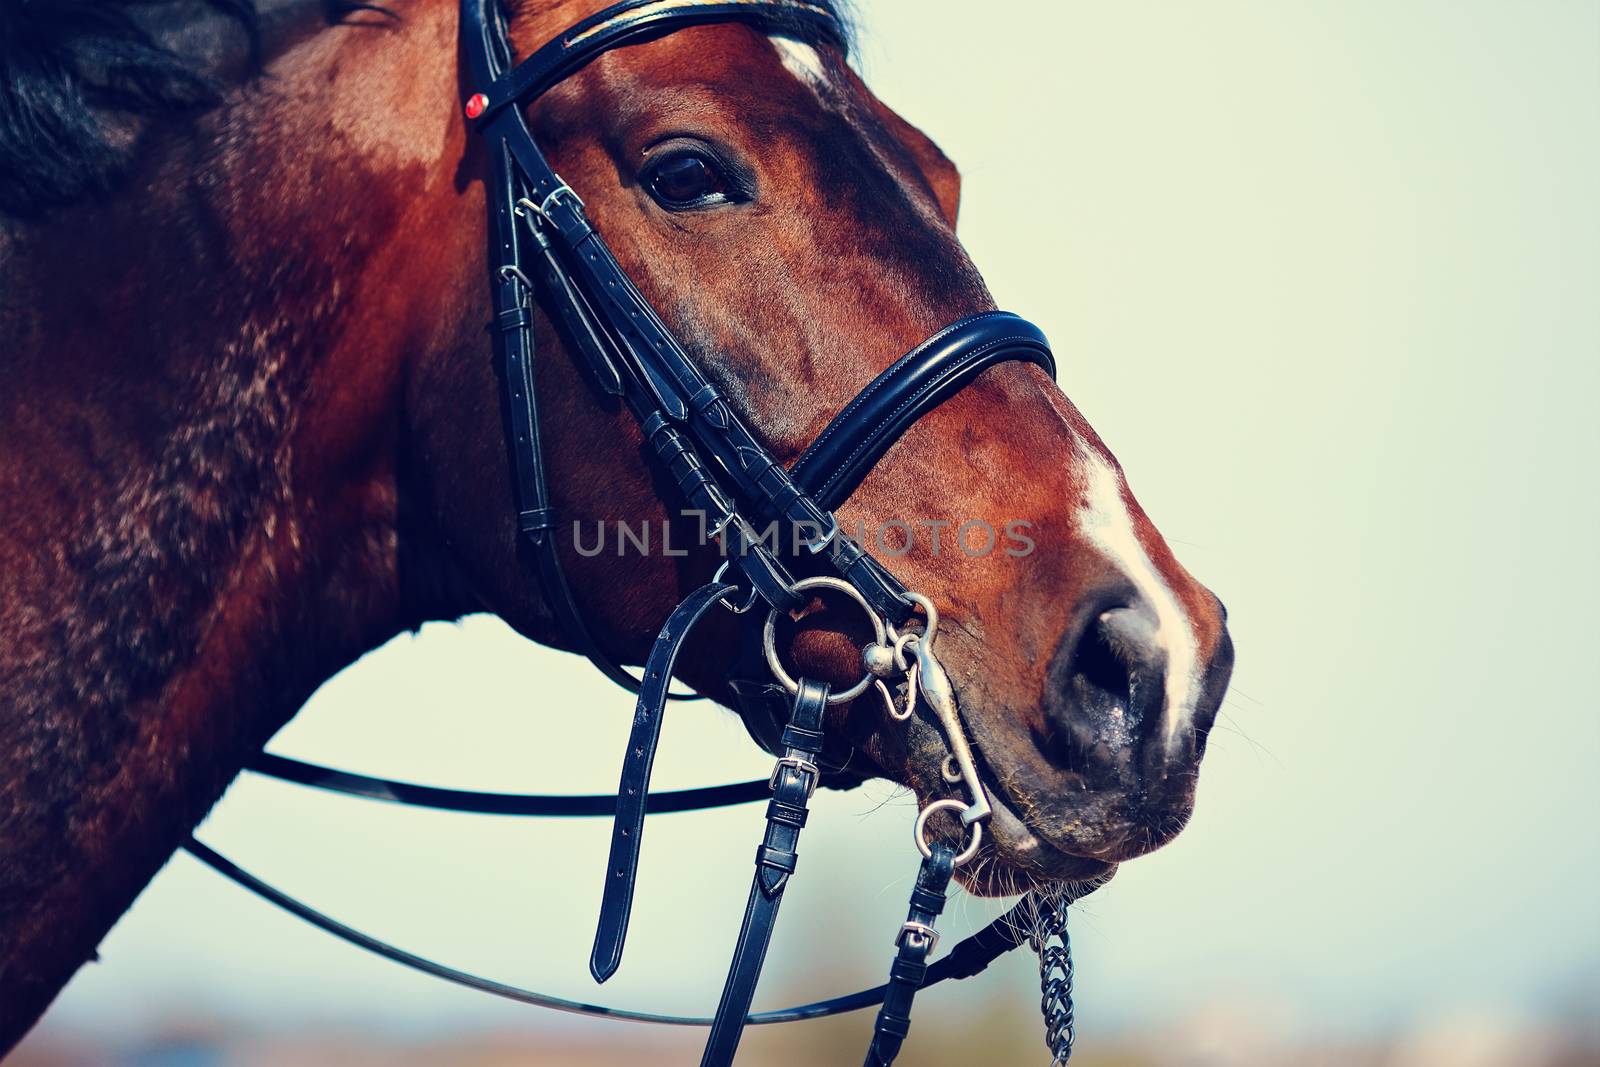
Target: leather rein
{"type": "Point", "coordinates": [545, 254]}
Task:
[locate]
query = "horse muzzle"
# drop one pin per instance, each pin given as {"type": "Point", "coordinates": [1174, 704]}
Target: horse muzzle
{"type": "Point", "coordinates": [1106, 768]}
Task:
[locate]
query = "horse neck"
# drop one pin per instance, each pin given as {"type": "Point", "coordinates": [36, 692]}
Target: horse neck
{"type": "Point", "coordinates": [199, 516]}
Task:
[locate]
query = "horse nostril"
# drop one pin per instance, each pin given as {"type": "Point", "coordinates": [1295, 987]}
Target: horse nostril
{"type": "Point", "coordinates": [1131, 634]}
{"type": "Point", "coordinates": [1102, 692]}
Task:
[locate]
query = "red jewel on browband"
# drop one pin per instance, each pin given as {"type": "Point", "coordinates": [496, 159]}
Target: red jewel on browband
{"type": "Point", "coordinates": [475, 105]}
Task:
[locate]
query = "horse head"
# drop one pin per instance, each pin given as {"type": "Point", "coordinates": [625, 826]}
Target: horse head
{"type": "Point", "coordinates": [799, 235]}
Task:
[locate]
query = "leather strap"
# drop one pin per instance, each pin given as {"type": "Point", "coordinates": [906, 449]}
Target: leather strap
{"type": "Point", "coordinates": [794, 779]}
{"type": "Point", "coordinates": [549, 805]}
{"type": "Point", "coordinates": [910, 968]}
{"type": "Point", "coordinates": [965, 960]}
{"type": "Point", "coordinates": [628, 22]}
{"type": "Point", "coordinates": [671, 389]}
{"type": "Point", "coordinates": [915, 384]}
{"type": "Point", "coordinates": [574, 316]}
{"type": "Point", "coordinates": [513, 342]}
{"type": "Point", "coordinates": [513, 335]}
{"type": "Point", "coordinates": [622, 870]}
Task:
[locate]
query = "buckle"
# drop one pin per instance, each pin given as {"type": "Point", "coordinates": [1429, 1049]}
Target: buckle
{"type": "Point", "coordinates": [553, 195]}
{"type": "Point", "coordinates": [801, 766]}
{"type": "Point", "coordinates": [824, 537]}
{"type": "Point", "coordinates": [526, 207]}
{"type": "Point", "coordinates": [512, 270]}
{"type": "Point", "coordinates": [914, 929]}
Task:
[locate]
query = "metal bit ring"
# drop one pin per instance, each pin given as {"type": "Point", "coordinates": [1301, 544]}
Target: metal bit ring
{"type": "Point", "coordinates": [769, 637]}
{"type": "Point", "coordinates": [930, 628]}
{"type": "Point", "coordinates": [919, 831]}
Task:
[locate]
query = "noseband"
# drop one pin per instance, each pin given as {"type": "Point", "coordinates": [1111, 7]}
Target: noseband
{"type": "Point", "coordinates": [545, 253]}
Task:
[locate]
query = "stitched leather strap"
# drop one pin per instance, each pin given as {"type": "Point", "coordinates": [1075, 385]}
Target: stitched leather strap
{"type": "Point", "coordinates": [672, 389]}
{"type": "Point", "coordinates": [514, 345]}
{"type": "Point", "coordinates": [910, 968]}
{"type": "Point", "coordinates": [513, 342]}
{"type": "Point", "coordinates": [633, 790]}
{"type": "Point", "coordinates": [793, 781]}
{"type": "Point", "coordinates": [908, 389]}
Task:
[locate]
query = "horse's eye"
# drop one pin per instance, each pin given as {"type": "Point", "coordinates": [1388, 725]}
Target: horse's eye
{"type": "Point", "coordinates": [686, 180]}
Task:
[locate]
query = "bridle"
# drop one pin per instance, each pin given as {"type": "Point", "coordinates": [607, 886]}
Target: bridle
{"type": "Point", "coordinates": [546, 254]}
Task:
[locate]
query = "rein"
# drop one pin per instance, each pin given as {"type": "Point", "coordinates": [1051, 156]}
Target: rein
{"type": "Point", "coordinates": [546, 254]}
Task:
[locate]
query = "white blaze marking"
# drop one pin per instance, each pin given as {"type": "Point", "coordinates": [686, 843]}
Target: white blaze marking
{"type": "Point", "coordinates": [1105, 521]}
{"type": "Point", "coordinates": [801, 60]}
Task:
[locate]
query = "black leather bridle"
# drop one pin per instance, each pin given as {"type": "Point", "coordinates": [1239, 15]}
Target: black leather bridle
{"type": "Point", "coordinates": [547, 255]}
{"type": "Point", "coordinates": [544, 244]}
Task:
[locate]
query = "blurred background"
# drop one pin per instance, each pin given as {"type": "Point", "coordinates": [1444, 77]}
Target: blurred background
{"type": "Point", "coordinates": [1326, 277]}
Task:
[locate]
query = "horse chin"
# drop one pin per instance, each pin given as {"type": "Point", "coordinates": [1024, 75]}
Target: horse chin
{"type": "Point", "coordinates": [989, 875]}
{"type": "Point", "coordinates": [1015, 860]}
{"type": "Point", "coordinates": [1012, 857]}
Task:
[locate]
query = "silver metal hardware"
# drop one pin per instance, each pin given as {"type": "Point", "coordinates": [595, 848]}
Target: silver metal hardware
{"type": "Point", "coordinates": [511, 270]}
{"type": "Point", "coordinates": [750, 601]}
{"type": "Point", "coordinates": [900, 644]}
{"type": "Point", "coordinates": [888, 698]}
{"type": "Point", "coordinates": [950, 770]}
{"type": "Point", "coordinates": [921, 935]}
{"type": "Point", "coordinates": [884, 662]}
{"type": "Point", "coordinates": [940, 695]}
{"type": "Point", "coordinates": [528, 212]}
{"type": "Point", "coordinates": [879, 661]}
{"type": "Point", "coordinates": [930, 628]}
{"type": "Point", "coordinates": [804, 767]}
{"type": "Point", "coordinates": [899, 714]}
{"type": "Point", "coordinates": [728, 518]}
{"type": "Point", "coordinates": [769, 637]}
{"type": "Point", "coordinates": [920, 830]}
{"type": "Point", "coordinates": [823, 538]}
{"type": "Point", "coordinates": [542, 208]}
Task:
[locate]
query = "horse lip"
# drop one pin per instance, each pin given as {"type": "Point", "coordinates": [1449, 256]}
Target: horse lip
{"type": "Point", "coordinates": [1027, 852]}
{"type": "Point", "coordinates": [1109, 845]}
{"type": "Point", "coordinates": [1037, 856]}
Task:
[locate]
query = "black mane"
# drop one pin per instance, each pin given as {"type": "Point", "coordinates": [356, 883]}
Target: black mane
{"type": "Point", "coordinates": [72, 75]}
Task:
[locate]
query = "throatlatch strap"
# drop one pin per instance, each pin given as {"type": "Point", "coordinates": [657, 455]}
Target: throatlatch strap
{"type": "Point", "coordinates": [513, 339]}
{"type": "Point", "coordinates": [910, 968]}
{"type": "Point", "coordinates": [634, 789]}
{"type": "Point", "coordinates": [794, 778]}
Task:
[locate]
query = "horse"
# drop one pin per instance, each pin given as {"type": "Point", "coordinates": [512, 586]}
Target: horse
{"type": "Point", "coordinates": [251, 429]}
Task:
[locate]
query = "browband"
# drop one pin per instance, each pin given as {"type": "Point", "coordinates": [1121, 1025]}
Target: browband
{"type": "Point", "coordinates": [629, 23]}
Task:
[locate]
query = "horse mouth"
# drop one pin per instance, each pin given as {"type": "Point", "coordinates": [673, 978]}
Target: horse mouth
{"type": "Point", "coordinates": [1077, 840]}
{"type": "Point", "coordinates": [1014, 859]}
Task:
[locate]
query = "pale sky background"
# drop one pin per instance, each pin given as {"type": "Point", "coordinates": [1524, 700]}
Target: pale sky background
{"type": "Point", "coordinates": [1326, 277]}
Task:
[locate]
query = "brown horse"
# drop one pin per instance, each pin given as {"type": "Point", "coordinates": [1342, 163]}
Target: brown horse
{"type": "Point", "coordinates": [250, 428]}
